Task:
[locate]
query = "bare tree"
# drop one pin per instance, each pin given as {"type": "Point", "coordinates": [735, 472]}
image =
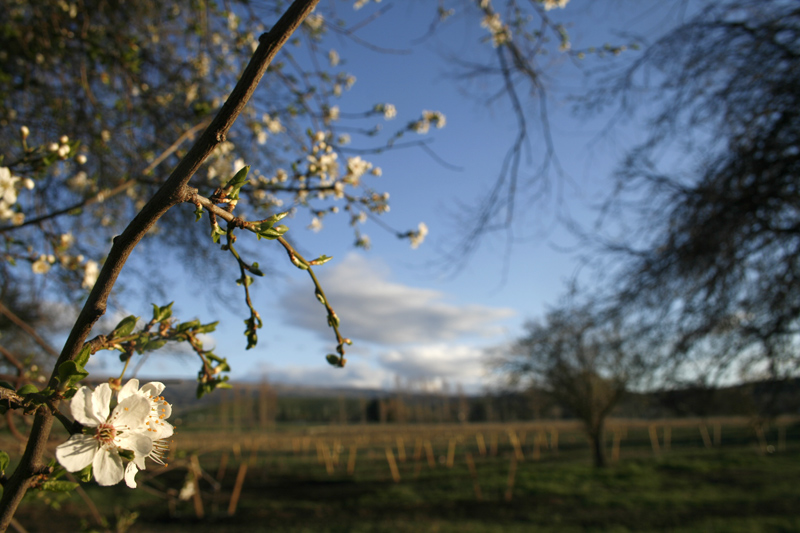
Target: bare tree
{"type": "Point", "coordinates": [581, 360]}
{"type": "Point", "coordinates": [713, 274]}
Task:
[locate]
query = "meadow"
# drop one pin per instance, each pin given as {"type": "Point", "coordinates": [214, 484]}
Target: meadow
{"type": "Point", "coordinates": [719, 474]}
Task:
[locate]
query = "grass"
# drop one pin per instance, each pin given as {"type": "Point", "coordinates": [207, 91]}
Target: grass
{"type": "Point", "coordinates": [734, 488]}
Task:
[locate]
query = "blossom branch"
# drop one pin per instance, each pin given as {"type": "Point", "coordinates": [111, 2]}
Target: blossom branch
{"type": "Point", "coordinates": [171, 193]}
{"type": "Point", "coordinates": [105, 194]}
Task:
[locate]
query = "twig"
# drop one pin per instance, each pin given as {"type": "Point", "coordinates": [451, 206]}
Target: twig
{"type": "Point", "coordinates": [27, 329]}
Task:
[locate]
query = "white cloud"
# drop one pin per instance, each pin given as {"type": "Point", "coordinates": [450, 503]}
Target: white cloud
{"type": "Point", "coordinates": [374, 309]}
{"type": "Point", "coordinates": [439, 362]}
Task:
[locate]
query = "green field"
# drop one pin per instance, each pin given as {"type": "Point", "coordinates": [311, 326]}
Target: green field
{"type": "Point", "coordinates": [458, 478]}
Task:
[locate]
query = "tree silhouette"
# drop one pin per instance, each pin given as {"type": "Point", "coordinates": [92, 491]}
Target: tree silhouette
{"type": "Point", "coordinates": [713, 272]}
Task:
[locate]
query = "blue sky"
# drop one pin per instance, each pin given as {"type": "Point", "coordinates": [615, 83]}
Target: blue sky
{"type": "Point", "coordinates": [408, 322]}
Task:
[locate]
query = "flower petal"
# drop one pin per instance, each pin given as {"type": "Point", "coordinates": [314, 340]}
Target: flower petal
{"type": "Point", "coordinates": [160, 430]}
{"type": "Point", "coordinates": [154, 388]}
{"type": "Point", "coordinates": [131, 387]}
{"type": "Point", "coordinates": [101, 401]}
{"type": "Point", "coordinates": [107, 466]}
{"type": "Point", "coordinates": [81, 408]}
{"type": "Point", "coordinates": [130, 473]}
{"type": "Point", "coordinates": [130, 413]}
{"type": "Point", "coordinates": [77, 453]}
{"type": "Point", "coordinates": [139, 442]}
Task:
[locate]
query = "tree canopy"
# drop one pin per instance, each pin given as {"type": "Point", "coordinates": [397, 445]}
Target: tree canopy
{"type": "Point", "coordinates": [713, 272]}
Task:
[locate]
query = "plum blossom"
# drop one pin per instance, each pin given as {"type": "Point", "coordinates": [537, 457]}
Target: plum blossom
{"type": "Point", "coordinates": [155, 427]}
{"type": "Point", "coordinates": [106, 433]}
{"type": "Point", "coordinates": [553, 4]}
{"type": "Point", "coordinates": [90, 272]}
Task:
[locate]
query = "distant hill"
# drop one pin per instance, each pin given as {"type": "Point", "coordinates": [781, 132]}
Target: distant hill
{"type": "Point", "coordinates": [252, 403]}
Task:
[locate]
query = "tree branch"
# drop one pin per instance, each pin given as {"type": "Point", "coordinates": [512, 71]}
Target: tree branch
{"type": "Point", "coordinates": [171, 193]}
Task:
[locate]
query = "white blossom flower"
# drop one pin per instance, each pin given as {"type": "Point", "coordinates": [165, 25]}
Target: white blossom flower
{"type": "Point", "coordinates": [155, 427]}
{"type": "Point", "coordinates": [90, 272]}
{"type": "Point", "coordinates": [315, 21]}
{"type": "Point", "coordinates": [417, 237]}
{"type": "Point", "coordinates": [421, 126]}
{"type": "Point", "coordinates": [501, 34]}
{"type": "Point", "coordinates": [8, 193]}
{"type": "Point", "coordinates": [41, 265]}
{"type": "Point", "coordinates": [273, 124]}
{"type": "Point", "coordinates": [552, 4]}
{"type": "Point", "coordinates": [66, 240]}
{"type": "Point", "coordinates": [332, 113]}
{"type": "Point", "coordinates": [333, 57]}
{"type": "Point", "coordinates": [356, 167]}
{"type": "Point", "coordinates": [107, 433]}
{"type": "Point", "coordinates": [316, 224]}
{"type": "Point", "coordinates": [389, 111]}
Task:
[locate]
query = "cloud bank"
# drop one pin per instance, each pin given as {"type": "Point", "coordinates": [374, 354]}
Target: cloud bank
{"type": "Point", "coordinates": [374, 309]}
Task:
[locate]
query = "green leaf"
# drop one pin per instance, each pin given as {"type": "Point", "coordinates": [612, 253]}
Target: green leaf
{"type": "Point", "coordinates": [70, 373]}
{"type": "Point", "coordinates": [207, 328]}
{"type": "Point", "coordinates": [272, 220]}
{"type": "Point", "coordinates": [59, 486]}
{"type": "Point", "coordinates": [6, 385]}
{"type": "Point", "coordinates": [27, 389]}
{"type": "Point", "coordinates": [162, 313]}
{"type": "Point", "coordinates": [333, 360]}
{"type": "Point", "coordinates": [198, 213]}
{"type": "Point", "coordinates": [236, 182]}
{"type": "Point", "coordinates": [185, 326]}
{"type": "Point", "coordinates": [83, 357]}
{"type": "Point", "coordinates": [154, 345]}
{"type": "Point", "coordinates": [321, 260]}
{"type": "Point", "coordinates": [85, 474]}
{"type": "Point", "coordinates": [125, 327]}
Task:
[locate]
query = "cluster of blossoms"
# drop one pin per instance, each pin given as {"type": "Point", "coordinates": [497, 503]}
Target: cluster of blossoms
{"type": "Point", "coordinates": [273, 125]}
{"type": "Point", "coordinates": [331, 114]}
{"type": "Point", "coordinates": [62, 147]}
{"type": "Point", "coordinates": [42, 264]}
{"type": "Point", "coordinates": [553, 4]}
{"type": "Point", "coordinates": [322, 160]}
{"type": "Point", "coordinates": [9, 187]}
{"type": "Point", "coordinates": [357, 167]}
{"type": "Point", "coordinates": [343, 81]}
{"type": "Point", "coordinates": [222, 161]}
{"type": "Point", "coordinates": [501, 34]}
{"type": "Point", "coordinates": [136, 429]}
{"type": "Point", "coordinates": [423, 125]}
{"type": "Point", "coordinates": [333, 58]}
{"type": "Point", "coordinates": [315, 22]}
{"type": "Point", "coordinates": [389, 111]}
